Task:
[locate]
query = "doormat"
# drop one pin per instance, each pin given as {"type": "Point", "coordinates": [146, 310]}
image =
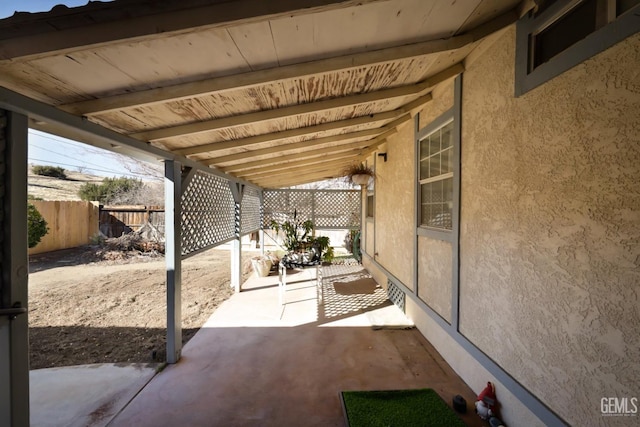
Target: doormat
{"type": "Point", "coordinates": [398, 408]}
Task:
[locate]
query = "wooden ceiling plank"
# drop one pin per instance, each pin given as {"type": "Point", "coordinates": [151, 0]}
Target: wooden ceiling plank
{"type": "Point", "coordinates": [276, 163]}
{"type": "Point", "coordinates": [266, 164]}
{"type": "Point", "coordinates": [294, 165]}
{"type": "Point", "coordinates": [302, 70]}
{"type": "Point", "coordinates": [141, 26]}
{"type": "Point", "coordinates": [307, 169]}
{"type": "Point", "coordinates": [306, 144]}
{"type": "Point", "coordinates": [257, 78]}
{"type": "Point", "coordinates": [293, 110]}
{"type": "Point", "coordinates": [280, 149]}
{"type": "Point", "coordinates": [291, 133]}
{"type": "Point", "coordinates": [334, 170]}
{"type": "Point", "coordinates": [279, 113]}
{"type": "Point", "coordinates": [296, 180]}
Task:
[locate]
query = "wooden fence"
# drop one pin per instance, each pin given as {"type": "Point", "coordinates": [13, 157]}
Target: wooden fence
{"type": "Point", "coordinates": [70, 224]}
{"type": "Point", "coordinates": [118, 220]}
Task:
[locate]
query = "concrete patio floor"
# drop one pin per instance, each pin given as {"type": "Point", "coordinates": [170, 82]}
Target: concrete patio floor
{"type": "Point", "coordinates": [257, 363]}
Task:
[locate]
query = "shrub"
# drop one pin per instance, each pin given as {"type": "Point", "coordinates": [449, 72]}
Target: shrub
{"type": "Point", "coordinates": [52, 171]}
{"type": "Point", "coordinates": [36, 226]}
{"type": "Point", "coordinates": [110, 189]}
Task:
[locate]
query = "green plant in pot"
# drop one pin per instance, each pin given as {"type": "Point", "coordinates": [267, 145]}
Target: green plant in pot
{"type": "Point", "coordinates": [301, 245]}
{"type": "Point", "coordinates": [359, 174]}
{"type": "Point", "coordinates": [296, 232]}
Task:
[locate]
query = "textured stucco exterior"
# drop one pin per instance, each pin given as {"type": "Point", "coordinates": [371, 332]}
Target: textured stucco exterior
{"type": "Point", "coordinates": [368, 236]}
{"type": "Point", "coordinates": [441, 102]}
{"type": "Point", "coordinates": [395, 206]}
{"type": "Point", "coordinates": [549, 249]}
{"type": "Point", "coordinates": [434, 275]}
{"type": "Point", "coordinates": [550, 226]}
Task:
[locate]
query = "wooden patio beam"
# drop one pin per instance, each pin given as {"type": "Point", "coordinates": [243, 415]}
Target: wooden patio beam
{"type": "Point", "coordinates": [257, 78]}
{"type": "Point", "coordinates": [283, 148]}
{"type": "Point", "coordinates": [295, 164]}
{"type": "Point", "coordinates": [58, 35]}
{"type": "Point", "coordinates": [278, 182]}
{"type": "Point", "coordinates": [291, 133]}
{"type": "Point", "coordinates": [274, 162]}
{"type": "Point", "coordinates": [316, 167]}
{"type": "Point", "coordinates": [284, 73]}
{"type": "Point", "coordinates": [300, 109]}
{"type": "Point", "coordinates": [278, 163]}
{"type": "Point", "coordinates": [259, 174]}
{"type": "Point", "coordinates": [306, 144]}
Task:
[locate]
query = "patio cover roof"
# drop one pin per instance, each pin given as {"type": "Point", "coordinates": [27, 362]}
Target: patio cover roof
{"type": "Point", "coordinates": [276, 93]}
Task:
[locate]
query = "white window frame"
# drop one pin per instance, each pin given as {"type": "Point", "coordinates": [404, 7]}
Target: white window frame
{"type": "Point", "coordinates": [447, 176]}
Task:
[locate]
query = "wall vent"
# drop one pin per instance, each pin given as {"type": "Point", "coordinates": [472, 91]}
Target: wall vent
{"type": "Point", "coordinates": [396, 295]}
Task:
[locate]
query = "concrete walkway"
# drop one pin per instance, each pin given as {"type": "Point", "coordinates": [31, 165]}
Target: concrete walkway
{"type": "Point", "coordinates": [85, 395]}
{"type": "Point", "coordinates": [256, 363]}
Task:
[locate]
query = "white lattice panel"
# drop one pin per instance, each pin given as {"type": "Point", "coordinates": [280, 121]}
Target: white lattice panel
{"type": "Point", "coordinates": [336, 209]}
{"type": "Point", "coordinates": [207, 212]}
{"type": "Point", "coordinates": [326, 208]}
{"type": "Point", "coordinates": [250, 210]}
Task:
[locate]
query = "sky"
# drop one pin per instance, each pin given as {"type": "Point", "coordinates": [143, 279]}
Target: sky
{"type": "Point", "coordinates": [8, 7]}
{"type": "Point", "coordinates": [45, 149]}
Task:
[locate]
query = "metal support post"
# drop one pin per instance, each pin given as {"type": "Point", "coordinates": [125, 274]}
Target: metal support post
{"type": "Point", "coordinates": [173, 256]}
{"type": "Point", "coordinates": [14, 271]}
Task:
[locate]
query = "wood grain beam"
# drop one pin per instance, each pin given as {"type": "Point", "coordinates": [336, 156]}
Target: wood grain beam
{"type": "Point", "coordinates": [295, 71]}
{"type": "Point", "coordinates": [290, 181]}
{"type": "Point", "coordinates": [284, 167]}
{"type": "Point", "coordinates": [294, 164]}
{"type": "Point", "coordinates": [268, 76]}
{"type": "Point", "coordinates": [283, 148]}
{"type": "Point", "coordinates": [291, 133]}
{"type": "Point", "coordinates": [300, 109]}
{"type": "Point", "coordinates": [297, 170]}
{"type": "Point", "coordinates": [268, 164]}
{"type": "Point", "coordinates": [278, 163]}
{"type": "Point", "coordinates": [140, 23]}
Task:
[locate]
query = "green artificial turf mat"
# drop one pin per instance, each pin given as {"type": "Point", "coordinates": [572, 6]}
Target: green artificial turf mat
{"type": "Point", "coordinates": [398, 408]}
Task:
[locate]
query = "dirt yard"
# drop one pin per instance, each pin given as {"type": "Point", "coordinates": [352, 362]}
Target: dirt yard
{"type": "Point", "coordinates": [83, 311]}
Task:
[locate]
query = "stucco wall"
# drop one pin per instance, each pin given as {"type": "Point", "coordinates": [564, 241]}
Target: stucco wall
{"type": "Point", "coordinates": [442, 101]}
{"type": "Point", "coordinates": [395, 205]}
{"type": "Point", "coordinates": [369, 226]}
{"type": "Point", "coordinates": [434, 275]}
{"type": "Point", "coordinates": [550, 226]}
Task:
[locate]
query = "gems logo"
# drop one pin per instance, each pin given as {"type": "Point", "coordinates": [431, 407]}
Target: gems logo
{"type": "Point", "coordinates": [619, 406]}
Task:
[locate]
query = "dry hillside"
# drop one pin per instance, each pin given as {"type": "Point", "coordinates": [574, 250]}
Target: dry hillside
{"type": "Point", "coordinates": [47, 188]}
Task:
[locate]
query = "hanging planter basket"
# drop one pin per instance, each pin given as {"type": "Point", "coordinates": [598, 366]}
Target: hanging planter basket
{"type": "Point", "coordinates": [360, 179]}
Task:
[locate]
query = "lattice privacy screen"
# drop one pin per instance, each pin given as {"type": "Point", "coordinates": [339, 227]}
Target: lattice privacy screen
{"type": "Point", "coordinates": [336, 209]}
{"type": "Point", "coordinates": [250, 220]}
{"type": "Point", "coordinates": [208, 215]}
{"type": "Point", "coordinates": [328, 209]}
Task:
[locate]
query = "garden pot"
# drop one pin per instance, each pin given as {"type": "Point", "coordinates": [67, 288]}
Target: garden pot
{"type": "Point", "coordinates": [261, 266]}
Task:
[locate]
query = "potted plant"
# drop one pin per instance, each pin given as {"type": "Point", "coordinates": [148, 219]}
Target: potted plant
{"type": "Point", "coordinates": [302, 247]}
{"type": "Point", "coordinates": [261, 265]}
{"type": "Point", "coordinates": [295, 232]}
{"type": "Point", "coordinates": [359, 174]}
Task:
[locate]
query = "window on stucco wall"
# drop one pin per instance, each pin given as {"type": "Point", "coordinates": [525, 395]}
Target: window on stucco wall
{"type": "Point", "coordinates": [561, 34]}
{"type": "Point", "coordinates": [436, 177]}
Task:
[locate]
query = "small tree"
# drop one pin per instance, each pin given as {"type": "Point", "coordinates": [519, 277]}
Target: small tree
{"type": "Point", "coordinates": [36, 226]}
{"type": "Point", "coordinates": [110, 189]}
{"type": "Point", "coordinates": [52, 171]}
